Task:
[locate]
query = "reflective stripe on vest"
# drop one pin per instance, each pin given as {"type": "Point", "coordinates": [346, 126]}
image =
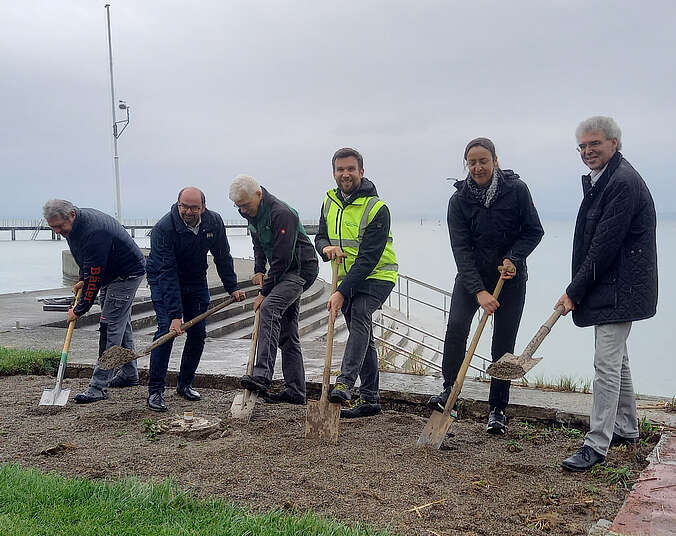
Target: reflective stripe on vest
{"type": "Point", "coordinates": [353, 219]}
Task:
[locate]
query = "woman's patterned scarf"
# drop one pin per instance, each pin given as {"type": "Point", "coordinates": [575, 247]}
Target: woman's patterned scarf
{"type": "Point", "coordinates": [488, 193]}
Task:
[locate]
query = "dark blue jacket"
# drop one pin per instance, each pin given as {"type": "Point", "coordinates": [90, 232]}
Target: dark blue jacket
{"type": "Point", "coordinates": [104, 251]}
{"type": "Point", "coordinates": [178, 257]}
{"type": "Point", "coordinates": [482, 237]}
{"type": "Point", "coordinates": [614, 249]}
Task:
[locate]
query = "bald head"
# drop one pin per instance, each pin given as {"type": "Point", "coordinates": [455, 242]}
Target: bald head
{"type": "Point", "coordinates": [192, 192]}
{"type": "Point", "coordinates": [191, 205]}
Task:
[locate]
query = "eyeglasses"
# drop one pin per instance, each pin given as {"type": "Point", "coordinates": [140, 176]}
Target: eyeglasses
{"type": "Point", "coordinates": [591, 145]}
{"type": "Point", "coordinates": [190, 208]}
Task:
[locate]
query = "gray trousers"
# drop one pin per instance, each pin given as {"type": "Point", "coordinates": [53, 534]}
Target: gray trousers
{"type": "Point", "coordinates": [279, 327]}
{"type": "Point", "coordinates": [614, 400]}
{"type": "Point", "coordinates": [360, 357]}
{"type": "Point", "coordinates": [116, 298]}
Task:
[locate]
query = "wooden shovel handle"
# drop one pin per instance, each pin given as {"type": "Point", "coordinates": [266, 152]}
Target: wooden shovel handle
{"type": "Point", "coordinates": [543, 332]}
{"type": "Point", "coordinates": [326, 378]}
{"type": "Point", "coordinates": [457, 386]}
{"type": "Point", "coordinates": [71, 326]}
{"type": "Point", "coordinates": [186, 325]}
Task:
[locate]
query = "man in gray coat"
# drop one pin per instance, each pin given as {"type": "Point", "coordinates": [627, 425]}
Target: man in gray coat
{"type": "Point", "coordinates": [614, 282]}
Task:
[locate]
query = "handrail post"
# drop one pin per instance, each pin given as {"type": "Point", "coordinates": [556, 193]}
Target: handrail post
{"type": "Point", "coordinates": [407, 300]}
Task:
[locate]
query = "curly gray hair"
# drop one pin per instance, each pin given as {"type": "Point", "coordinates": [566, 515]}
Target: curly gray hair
{"type": "Point", "coordinates": [599, 122]}
{"type": "Point", "coordinates": [57, 208]}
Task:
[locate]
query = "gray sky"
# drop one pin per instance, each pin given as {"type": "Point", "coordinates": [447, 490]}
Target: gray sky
{"type": "Point", "coordinates": [272, 88]}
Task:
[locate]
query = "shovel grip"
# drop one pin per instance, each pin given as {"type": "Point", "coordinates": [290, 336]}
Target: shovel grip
{"type": "Point", "coordinates": [542, 332]}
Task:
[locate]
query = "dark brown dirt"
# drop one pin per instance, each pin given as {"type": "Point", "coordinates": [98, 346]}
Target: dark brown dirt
{"type": "Point", "coordinates": [375, 474]}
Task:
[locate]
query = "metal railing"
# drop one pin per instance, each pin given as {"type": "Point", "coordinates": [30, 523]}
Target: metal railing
{"type": "Point", "coordinates": [403, 295]}
{"type": "Point", "coordinates": [406, 295]}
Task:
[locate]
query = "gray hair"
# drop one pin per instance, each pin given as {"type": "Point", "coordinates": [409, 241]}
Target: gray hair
{"type": "Point", "coordinates": [599, 122]}
{"type": "Point", "coordinates": [243, 186]}
{"type": "Point", "coordinates": [57, 208]}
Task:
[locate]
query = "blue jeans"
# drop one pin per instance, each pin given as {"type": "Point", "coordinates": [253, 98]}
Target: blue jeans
{"type": "Point", "coordinates": [116, 299]}
{"type": "Point", "coordinates": [195, 301]}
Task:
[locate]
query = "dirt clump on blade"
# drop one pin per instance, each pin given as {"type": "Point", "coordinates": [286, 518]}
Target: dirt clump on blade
{"type": "Point", "coordinates": [506, 369]}
{"type": "Point", "coordinates": [116, 356]}
{"type": "Point", "coordinates": [477, 484]}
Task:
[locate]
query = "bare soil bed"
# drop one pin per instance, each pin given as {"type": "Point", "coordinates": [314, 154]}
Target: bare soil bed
{"type": "Point", "coordinates": [483, 484]}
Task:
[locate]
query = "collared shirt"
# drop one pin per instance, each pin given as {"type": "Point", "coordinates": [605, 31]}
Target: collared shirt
{"type": "Point", "coordinates": [596, 174]}
{"type": "Point", "coordinates": [196, 229]}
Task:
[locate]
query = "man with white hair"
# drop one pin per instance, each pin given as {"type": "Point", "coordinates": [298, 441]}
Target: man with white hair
{"type": "Point", "coordinates": [279, 241]}
{"type": "Point", "coordinates": [614, 282]}
{"type": "Point", "coordinates": [112, 266]}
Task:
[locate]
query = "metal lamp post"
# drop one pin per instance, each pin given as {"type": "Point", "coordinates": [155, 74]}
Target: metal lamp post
{"type": "Point", "coordinates": [117, 132]}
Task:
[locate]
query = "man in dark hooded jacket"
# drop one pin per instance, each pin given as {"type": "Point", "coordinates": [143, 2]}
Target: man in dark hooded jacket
{"type": "Point", "coordinates": [614, 282]}
{"type": "Point", "coordinates": [354, 230]}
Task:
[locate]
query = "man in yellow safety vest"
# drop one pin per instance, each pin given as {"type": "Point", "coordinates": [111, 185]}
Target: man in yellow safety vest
{"type": "Point", "coordinates": [354, 229]}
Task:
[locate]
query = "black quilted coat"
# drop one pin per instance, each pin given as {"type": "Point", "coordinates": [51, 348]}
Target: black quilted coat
{"type": "Point", "coordinates": [614, 249]}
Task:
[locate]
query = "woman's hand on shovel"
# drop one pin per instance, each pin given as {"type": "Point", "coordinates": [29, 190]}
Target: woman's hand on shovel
{"type": "Point", "coordinates": [508, 270]}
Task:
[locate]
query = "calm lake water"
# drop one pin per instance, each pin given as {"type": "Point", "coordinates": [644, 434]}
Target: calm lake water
{"type": "Point", "coordinates": [423, 252]}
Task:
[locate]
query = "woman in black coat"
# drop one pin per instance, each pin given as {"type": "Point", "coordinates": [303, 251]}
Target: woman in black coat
{"type": "Point", "coordinates": [492, 221]}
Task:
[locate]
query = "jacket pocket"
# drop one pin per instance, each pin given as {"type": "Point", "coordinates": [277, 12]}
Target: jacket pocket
{"type": "Point", "coordinates": [602, 296]}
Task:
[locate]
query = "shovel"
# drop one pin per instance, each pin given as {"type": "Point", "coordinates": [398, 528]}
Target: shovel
{"type": "Point", "coordinates": [511, 367]}
{"type": "Point", "coordinates": [116, 356]}
{"type": "Point", "coordinates": [321, 421]}
{"type": "Point", "coordinates": [244, 402]}
{"type": "Point", "coordinates": [58, 396]}
{"type": "Point", "coordinates": [437, 425]}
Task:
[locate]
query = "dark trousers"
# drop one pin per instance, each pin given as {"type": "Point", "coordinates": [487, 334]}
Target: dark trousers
{"type": "Point", "coordinates": [279, 314]}
{"type": "Point", "coordinates": [505, 327]}
{"type": "Point", "coordinates": [194, 301]}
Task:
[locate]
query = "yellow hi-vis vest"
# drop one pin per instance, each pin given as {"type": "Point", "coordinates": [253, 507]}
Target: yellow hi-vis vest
{"type": "Point", "coordinates": [346, 225]}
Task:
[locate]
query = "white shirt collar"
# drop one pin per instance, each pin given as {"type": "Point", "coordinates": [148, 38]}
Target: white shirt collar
{"type": "Point", "coordinates": [595, 174]}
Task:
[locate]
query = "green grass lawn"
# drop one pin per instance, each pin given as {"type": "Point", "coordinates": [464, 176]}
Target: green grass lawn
{"type": "Point", "coordinates": [37, 504]}
{"type": "Point", "coordinates": [28, 361]}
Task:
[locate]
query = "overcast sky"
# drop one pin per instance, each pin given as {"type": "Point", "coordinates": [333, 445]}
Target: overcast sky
{"type": "Point", "coordinates": [272, 88]}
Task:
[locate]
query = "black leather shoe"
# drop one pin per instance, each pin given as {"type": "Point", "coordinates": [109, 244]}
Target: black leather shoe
{"type": "Point", "coordinates": [188, 393]}
{"type": "Point", "coordinates": [255, 383]}
{"type": "Point", "coordinates": [90, 396]}
{"type": "Point", "coordinates": [123, 382]}
{"type": "Point", "coordinates": [619, 440]}
{"type": "Point", "coordinates": [285, 397]}
{"type": "Point", "coordinates": [156, 401]}
{"type": "Point", "coordinates": [583, 460]}
{"type": "Point", "coordinates": [497, 422]}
